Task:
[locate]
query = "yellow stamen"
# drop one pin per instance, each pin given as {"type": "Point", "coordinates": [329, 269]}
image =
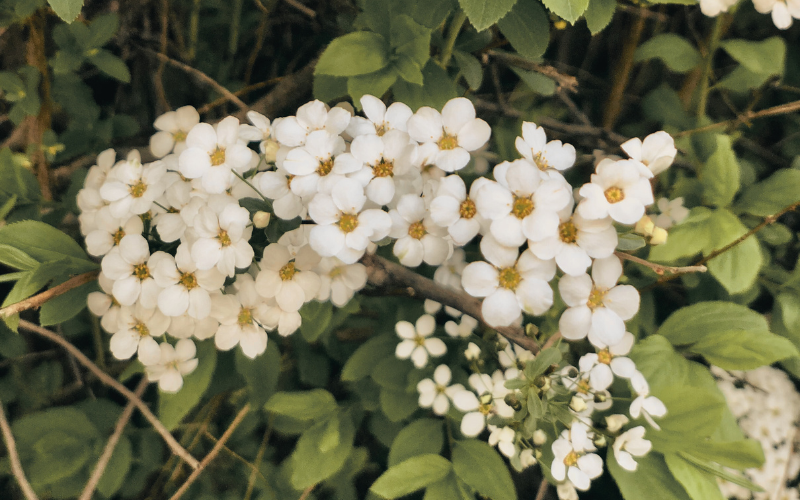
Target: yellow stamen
{"type": "Point", "coordinates": [509, 278]}
{"type": "Point", "coordinates": [568, 232]}
{"type": "Point", "coordinates": [223, 238]}
{"type": "Point", "coordinates": [137, 190]}
{"type": "Point", "coordinates": [118, 235]}
{"type": "Point", "coordinates": [188, 281]}
{"type": "Point", "coordinates": [604, 356]}
{"type": "Point", "coordinates": [179, 136]}
{"type": "Point", "coordinates": [384, 168]}
{"type": "Point", "coordinates": [522, 207]}
{"type": "Point", "coordinates": [325, 167]}
{"type": "Point", "coordinates": [596, 297]}
{"type": "Point", "coordinates": [571, 460]}
{"type": "Point", "coordinates": [245, 317]}
{"type": "Point", "coordinates": [218, 157]}
{"type": "Point", "coordinates": [417, 230]}
{"type": "Point", "coordinates": [614, 194]}
{"type": "Point", "coordinates": [448, 142]}
{"type": "Point", "coordinates": [141, 329]}
{"type": "Point", "coordinates": [348, 223]}
{"type": "Point", "coordinates": [141, 271]}
{"type": "Point", "coordinates": [467, 210]}
{"type": "Point", "coordinates": [287, 272]}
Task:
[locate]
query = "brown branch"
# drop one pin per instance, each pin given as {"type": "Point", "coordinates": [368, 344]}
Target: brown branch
{"type": "Point", "coordinates": [37, 125]}
{"type": "Point", "coordinates": [782, 109]}
{"type": "Point", "coordinates": [213, 453]}
{"type": "Point", "coordinates": [566, 82]}
{"type": "Point", "coordinates": [552, 340]}
{"type": "Point", "coordinates": [200, 76]}
{"type": "Point", "coordinates": [110, 381]}
{"type": "Point", "coordinates": [388, 275]}
{"type": "Point", "coordinates": [661, 269]}
{"type": "Point", "coordinates": [622, 74]}
{"type": "Point", "coordinates": [38, 300]}
{"type": "Point", "coordinates": [307, 492]}
{"type": "Point", "coordinates": [302, 8]}
{"type": "Point", "coordinates": [108, 451]}
{"type": "Point", "coordinates": [13, 456]}
{"type": "Point", "coordinates": [542, 489]}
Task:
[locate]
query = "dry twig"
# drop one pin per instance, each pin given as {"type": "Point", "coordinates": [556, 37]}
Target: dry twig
{"type": "Point", "coordinates": [39, 299]}
{"type": "Point", "coordinates": [13, 456]}
{"type": "Point", "coordinates": [661, 269]}
{"type": "Point", "coordinates": [565, 82]}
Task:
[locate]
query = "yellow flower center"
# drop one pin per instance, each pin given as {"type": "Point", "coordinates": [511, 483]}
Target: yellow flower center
{"type": "Point", "coordinates": [614, 194]}
{"type": "Point", "coordinates": [179, 136]}
{"type": "Point", "coordinates": [289, 181]}
{"type": "Point", "coordinates": [522, 207]}
{"type": "Point", "coordinates": [348, 223]}
{"type": "Point", "coordinates": [287, 272]}
{"type": "Point", "coordinates": [596, 297]}
{"type": "Point", "coordinates": [325, 167]}
{"type": "Point", "coordinates": [188, 280]}
{"type": "Point", "coordinates": [223, 238]}
{"type": "Point", "coordinates": [218, 156]}
{"type": "Point", "coordinates": [137, 190]}
{"type": "Point", "coordinates": [604, 356]}
{"type": "Point", "coordinates": [118, 235]}
{"type": "Point", "coordinates": [584, 387]}
{"type": "Point", "coordinates": [141, 271]}
{"type": "Point", "coordinates": [381, 129]}
{"type": "Point", "coordinates": [384, 168]}
{"type": "Point", "coordinates": [571, 460]}
{"type": "Point", "coordinates": [509, 278]}
{"type": "Point", "coordinates": [467, 210]}
{"type": "Point", "coordinates": [486, 403]}
{"type": "Point", "coordinates": [141, 329]}
{"type": "Point", "coordinates": [540, 161]}
{"type": "Point", "coordinates": [419, 340]}
{"type": "Point", "coordinates": [146, 216]}
{"type": "Point", "coordinates": [245, 317]}
{"type": "Point", "coordinates": [448, 142]}
{"type": "Point", "coordinates": [568, 232]}
{"type": "Point", "coordinates": [417, 230]}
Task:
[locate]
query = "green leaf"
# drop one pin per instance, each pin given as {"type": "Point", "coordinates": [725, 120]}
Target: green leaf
{"type": "Point", "coordinates": [102, 29]}
{"type": "Point", "coordinates": [411, 475]}
{"type": "Point", "coordinates": [568, 10]}
{"type": "Point", "coordinates": [651, 480]}
{"type": "Point", "coordinates": [46, 243]}
{"type": "Point", "coordinates": [690, 324]}
{"type": "Point", "coordinates": [542, 361]}
{"type": "Point", "coordinates": [117, 468]}
{"type": "Point", "coordinates": [744, 350]}
{"type": "Point", "coordinates": [720, 175]}
{"type": "Point", "coordinates": [630, 242]}
{"type": "Point", "coordinates": [261, 374]}
{"type": "Point", "coordinates": [68, 10]}
{"type": "Point", "coordinates": [354, 54]}
{"type": "Point", "coordinates": [470, 67]}
{"type": "Point", "coordinates": [677, 53]}
{"type": "Point", "coordinates": [376, 83]}
{"type": "Point", "coordinates": [16, 258]}
{"type": "Point", "coordinates": [420, 437]}
{"type": "Point", "coordinates": [322, 450]}
{"type": "Point", "coordinates": [537, 82]}
{"type": "Point", "coordinates": [479, 465]}
{"type": "Point", "coordinates": [721, 472]}
{"type": "Point", "coordinates": [700, 485]}
{"type": "Point", "coordinates": [392, 373]}
{"type": "Point", "coordinates": [438, 88]}
{"type": "Point", "coordinates": [316, 318]}
{"type": "Point", "coordinates": [769, 196]}
{"type": "Point", "coordinates": [741, 80]}
{"type": "Point", "coordinates": [367, 356]}
{"type": "Point", "coordinates": [741, 454]}
{"type": "Point", "coordinates": [449, 488]}
{"type": "Point", "coordinates": [65, 306]}
{"type": "Point", "coordinates": [17, 181]}
{"type": "Point", "coordinates": [111, 65]}
{"type": "Point", "coordinates": [737, 268]}
{"type": "Point", "coordinates": [407, 69]}
{"type": "Point", "coordinates": [599, 14]}
{"type": "Point", "coordinates": [409, 38]}
{"type": "Point", "coordinates": [302, 405]}
{"type": "Point", "coordinates": [766, 57]}
{"type": "Point", "coordinates": [484, 13]}
{"type": "Point", "coordinates": [398, 405]}
{"type": "Point", "coordinates": [173, 407]}
{"type": "Point", "coordinates": [329, 88]}
{"type": "Point", "coordinates": [527, 28]}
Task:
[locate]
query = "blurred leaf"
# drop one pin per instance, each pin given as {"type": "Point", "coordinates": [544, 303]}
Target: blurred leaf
{"type": "Point", "coordinates": [173, 407]}
{"type": "Point", "coordinates": [417, 438]}
{"type": "Point", "coordinates": [102, 29]}
{"type": "Point", "coordinates": [111, 65]}
{"type": "Point", "coordinates": [480, 466]}
{"type": "Point", "coordinates": [483, 13]}
{"type": "Point", "coordinates": [68, 10]}
{"type": "Point", "coordinates": [471, 69]}
{"type": "Point", "coordinates": [302, 405]}
{"type": "Point", "coordinates": [411, 475]}
{"type": "Point", "coordinates": [769, 196]}
{"type": "Point", "coordinates": [766, 57]}
{"type": "Point", "coordinates": [438, 88]}
{"type": "Point", "coordinates": [354, 54]}
{"type": "Point", "coordinates": [651, 480]}
{"type": "Point", "coordinates": [527, 28]}
{"type": "Point", "coordinates": [677, 53]}
{"type": "Point", "coordinates": [362, 362]}
{"type": "Point", "coordinates": [261, 374]}
{"type": "Point", "coordinates": [720, 174]}
{"type": "Point", "coordinates": [568, 10]}
{"type": "Point", "coordinates": [599, 14]}
{"type": "Point", "coordinates": [322, 450]}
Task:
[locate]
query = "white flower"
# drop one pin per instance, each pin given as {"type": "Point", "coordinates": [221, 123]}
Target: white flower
{"type": "Point", "coordinates": [533, 146]}
{"type": "Point", "coordinates": [184, 204]}
{"type": "Point", "coordinates": [419, 239]}
{"type": "Point", "coordinates": [385, 158]}
{"type": "Point", "coordinates": [586, 400]}
{"type": "Point", "coordinates": [175, 362]}
{"type": "Point", "coordinates": [607, 362]}
{"type": "Point", "coordinates": [645, 405]}
{"type": "Point", "coordinates": [137, 327]}
{"type": "Point", "coordinates": [503, 438]}
{"type": "Point", "coordinates": [473, 352]}
{"type": "Point", "coordinates": [577, 242]}
{"type": "Point", "coordinates": [110, 231]}
{"type": "Point", "coordinates": [514, 358]}
{"type": "Point", "coordinates": [173, 127]}
{"type": "Point", "coordinates": [712, 8]}
{"type": "Point", "coordinates": [274, 317]}
{"type": "Point", "coordinates": [416, 343]}
{"type": "Point", "coordinates": [437, 393]}
{"type": "Point", "coordinates": [672, 212]}
{"type": "Point", "coordinates": [656, 152]}
{"type": "Point", "coordinates": [615, 423]}
{"type": "Point", "coordinates": [186, 288]}
{"type": "Point", "coordinates": [380, 119]}
{"type": "Point", "coordinates": [463, 329]}
{"type": "Point", "coordinates": [104, 305]}
{"type": "Point", "coordinates": [222, 239]}
{"type": "Point", "coordinates": [492, 391]}
{"type": "Point", "coordinates": [319, 164]}
{"type": "Point", "coordinates": [629, 444]}
{"type": "Point", "coordinates": [185, 326]}
{"type": "Point", "coordinates": [260, 131]}
{"type": "Point", "coordinates": [292, 131]}
{"type": "Point", "coordinates": [510, 284]}
{"type": "Point", "coordinates": [596, 306]}
{"type": "Point", "coordinates": [454, 210]}
{"type": "Point", "coordinates": [131, 267]}
{"type": "Point", "coordinates": [276, 185]}
{"type": "Point", "coordinates": [782, 11]}
{"type": "Point", "coordinates": [287, 279]}
{"type": "Point", "coordinates": [523, 203]}
{"type": "Point", "coordinates": [618, 189]}
{"type": "Point", "coordinates": [212, 153]}
{"type": "Point", "coordinates": [566, 491]}
{"type": "Point", "coordinates": [455, 132]}
{"type": "Point", "coordinates": [343, 229]}
{"type": "Point", "coordinates": [572, 457]}
{"type": "Point", "coordinates": [340, 281]}
{"type": "Point", "coordinates": [131, 188]}
{"type": "Point", "coordinates": [238, 315]}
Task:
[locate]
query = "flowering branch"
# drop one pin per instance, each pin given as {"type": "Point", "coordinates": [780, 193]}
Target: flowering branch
{"type": "Point", "coordinates": [386, 274]}
{"type": "Point", "coordinates": [661, 269]}
{"type": "Point", "coordinates": [13, 456]}
{"type": "Point", "coordinates": [39, 299]}
{"type": "Point", "coordinates": [108, 380]}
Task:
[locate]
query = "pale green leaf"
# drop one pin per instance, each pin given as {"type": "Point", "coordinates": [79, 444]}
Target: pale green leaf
{"type": "Point", "coordinates": [173, 407]}
{"type": "Point", "coordinates": [420, 437]}
{"type": "Point", "coordinates": [698, 484]}
{"type": "Point", "coordinates": [67, 10]}
{"type": "Point", "coordinates": [354, 54]}
{"type": "Point", "coordinates": [599, 14]}
{"type": "Point", "coordinates": [411, 475]}
{"type": "Point", "coordinates": [675, 51]}
{"type": "Point", "coordinates": [771, 195]}
{"type": "Point", "coordinates": [527, 28]}
{"type": "Point", "coordinates": [766, 57]}
{"type": "Point", "coordinates": [569, 10]}
{"type": "Point", "coordinates": [480, 466]}
{"type": "Point", "coordinates": [720, 174]}
{"type": "Point", "coordinates": [484, 13]}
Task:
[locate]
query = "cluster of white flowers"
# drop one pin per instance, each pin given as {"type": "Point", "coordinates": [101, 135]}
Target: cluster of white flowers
{"type": "Point", "coordinates": [767, 407]}
{"type": "Point", "coordinates": [181, 259]}
{"type": "Point", "coordinates": [783, 12]}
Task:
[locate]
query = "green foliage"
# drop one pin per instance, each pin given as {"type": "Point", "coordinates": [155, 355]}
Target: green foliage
{"type": "Point", "coordinates": [411, 475]}
{"type": "Point", "coordinates": [677, 53]}
{"type": "Point", "coordinates": [758, 62]}
{"type": "Point", "coordinates": [173, 407]}
{"type": "Point", "coordinates": [482, 13]}
{"type": "Point", "coordinates": [308, 405]}
{"type": "Point", "coordinates": [660, 483]}
{"type": "Point", "coordinates": [354, 54]}
{"type": "Point", "coordinates": [23, 92]}
{"type": "Point", "coordinates": [79, 43]}
{"type": "Point", "coordinates": [527, 28]}
{"type": "Point", "coordinates": [771, 195]}
{"type": "Point", "coordinates": [479, 465]}
{"type": "Point", "coordinates": [322, 450]}
{"type": "Point", "coordinates": [599, 14]}
{"type": "Point", "coordinates": [420, 437]}
{"type": "Point", "coordinates": [569, 10]}
{"type": "Point", "coordinates": [68, 10]}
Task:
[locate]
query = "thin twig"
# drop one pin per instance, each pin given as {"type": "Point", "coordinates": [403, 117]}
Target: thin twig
{"type": "Point", "coordinates": [251, 482]}
{"type": "Point", "coordinates": [302, 8]}
{"type": "Point", "coordinates": [388, 275]}
{"type": "Point", "coordinates": [108, 451]}
{"type": "Point", "coordinates": [13, 456]}
{"type": "Point", "coordinates": [622, 73]}
{"type": "Point", "coordinates": [552, 340]}
{"type": "Point", "coordinates": [782, 109]}
{"type": "Point", "coordinates": [199, 75]}
{"type": "Point", "coordinates": [110, 381]}
{"type": "Point", "coordinates": [39, 299]}
{"type": "Point", "coordinates": [566, 82]}
{"type": "Point", "coordinates": [542, 489]}
{"type": "Point", "coordinates": [661, 269]}
{"type": "Point", "coordinates": [307, 492]}
{"type": "Point", "coordinates": [213, 453]}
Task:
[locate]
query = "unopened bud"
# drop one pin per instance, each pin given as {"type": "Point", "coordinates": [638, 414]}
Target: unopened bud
{"type": "Point", "coordinates": [599, 397]}
{"type": "Point", "coordinates": [473, 352]}
{"type": "Point", "coordinates": [261, 219]}
{"type": "Point", "coordinates": [577, 404]}
{"type": "Point", "coordinates": [526, 458]}
{"type": "Point", "coordinates": [614, 423]}
{"type": "Point", "coordinates": [539, 437]}
{"type": "Point", "coordinates": [645, 226]}
{"type": "Point", "coordinates": [270, 150]}
{"type": "Point", "coordinates": [599, 441]}
{"type": "Point", "coordinates": [512, 401]}
{"type": "Point", "coordinates": [486, 398]}
{"type": "Point", "coordinates": [531, 330]}
{"type": "Point", "coordinates": [659, 236]}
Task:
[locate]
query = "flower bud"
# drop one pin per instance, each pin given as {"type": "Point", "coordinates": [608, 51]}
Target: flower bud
{"type": "Point", "coordinates": [614, 423]}
{"type": "Point", "coordinates": [270, 149]}
{"type": "Point", "coordinates": [645, 226]}
{"type": "Point", "coordinates": [526, 458]}
{"type": "Point", "coordinates": [577, 404]}
{"type": "Point", "coordinates": [599, 441]}
{"type": "Point", "coordinates": [473, 352]}
{"type": "Point", "coordinates": [512, 401]}
{"type": "Point", "coordinates": [659, 236]}
{"type": "Point", "coordinates": [261, 219]}
{"type": "Point", "coordinates": [539, 437]}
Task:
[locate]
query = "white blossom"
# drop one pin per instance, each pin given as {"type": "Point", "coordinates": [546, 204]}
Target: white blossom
{"type": "Point", "coordinates": [379, 119]}
{"type": "Point", "coordinates": [573, 457]}
{"type": "Point", "coordinates": [135, 335]}
{"type": "Point", "coordinates": [185, 287]}
{"type": "Point", "coordinates": [644, 404]}
{"type": "Point", "coordinates": [629, 444]}
{"type": "Point", "coordinates": [619, 189]}
{"type": "Point", "coordinates": [533, 146]}
{"type": "Point", "coordinates": [456, 211]}
{"type": "Point", "coordinates": [417, 343]}
{"type": "Point", "coordinates": [173, 127]}
{"type": "Point", "coordinates": [289, 280]}
{"type": "Point", "coordinates": [491, 392]}
{"type": "Point", "coordinates": [173, 365]}
{"type": "Point", "coordinates": [131, 187]}
{"type": "Point", "coordinates": [212, 153]}
{"type": "Point", "coordinates": [671, 212]}
{"type": "Point", "coordinates": [223, 239]}
{"type": "Point", "coordinates": [339, 281]}
{"type": "Point", "coordinates": [293, 131]}
{"type": "Point", "coordinates": [437, 392]}
{"type": "Point", "coordinates": [419, 239]}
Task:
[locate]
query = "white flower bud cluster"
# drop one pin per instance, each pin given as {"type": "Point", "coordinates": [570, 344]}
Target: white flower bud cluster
{"type": "Point", "coordinates": [783, 12]}
{"type": "Point", "coordinates": [767, 407]}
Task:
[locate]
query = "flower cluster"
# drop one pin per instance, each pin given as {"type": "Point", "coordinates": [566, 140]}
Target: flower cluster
{"type": "Point", "coordinates": [783, 12]}
{"type": "Point", "coordinates": [186, 257]}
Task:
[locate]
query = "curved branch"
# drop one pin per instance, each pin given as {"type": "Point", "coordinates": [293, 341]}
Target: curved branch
{"type": "Point", "coordinates": [386, 274]}
{"type": "Point", "coordinates": [661, 269]}
{"type": "Point", "coordinates": [39, 299]}
{"type": "Point", "coordinates": [13, 456]}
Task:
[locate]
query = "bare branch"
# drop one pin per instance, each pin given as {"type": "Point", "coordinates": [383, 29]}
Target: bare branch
{"type": "Point", "coordinates": [782, 109]}
{"type": "Point", "coordinates": [542, 489]}
{"type": "Point", "coordinates": [110, 381]}
{"type": "Point", "coordinates": [13, 456]}
{"type": "Point", "coordinates": [566, 82]}
{"type": "Point", "coordinates": [386, 274]}
{"type": "Point", "coordinates": [660, 269]}
{"type": "Point", "coordinates": [38, 300]}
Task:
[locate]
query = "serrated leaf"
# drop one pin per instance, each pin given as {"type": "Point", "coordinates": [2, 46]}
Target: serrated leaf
{"type": "Point", "coordinates": [568, 10]}
{"type": "Point", "coordinates": [354, 54]}
{"type": "Point", "coordinates": [376, 83]}
{"type": "Point", "coordinates": [737, 268]}
{"type": "Point", "coordinates": [599, 14]}
{"type": "Point", "coordinates": [527, 28]}
{"type": "Point", "coordinates": [67, 10]}
{"type": "Point", "coordinates": [483, 13]}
